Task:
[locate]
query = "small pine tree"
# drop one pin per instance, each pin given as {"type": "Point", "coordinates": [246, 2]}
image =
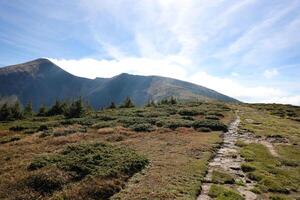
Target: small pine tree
{"type": "Point", "coordinates": [164, 101]}
{"type": "Point", "coordinates": [127, 103]}
{"type": "Point", "coordinates": [58, 108]}
{"type": "Point", "coordinates": [150, 103]}
{"type": "Point", "coordinates": [89, 108]}
{"type": "Point", "coordinates": [5, 112]}
{"type": "Point", "coordinates": [16, 111]}
{"type": "Point", "coordinates": [28, 109]}
{"type": "Point", "coordinates": [112, 105]}
{"type": "Point", "coordinates": [76, 109]}
{"type": "Point", "coordinates": [42, 110]}
{"type": "Point", "coordinates": [173, 100]}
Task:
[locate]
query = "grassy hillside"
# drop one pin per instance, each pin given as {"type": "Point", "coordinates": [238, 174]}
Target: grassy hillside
{"type": "Point", "coordinates": [156, 152]}
{"type": "Point", "coordinates": [274, 167]}
{"type": "Point", "coordinates": [126, 153]}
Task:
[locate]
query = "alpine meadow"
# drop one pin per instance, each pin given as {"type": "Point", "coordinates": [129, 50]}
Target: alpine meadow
{"type": "Point", "coordinates": [149, 100]}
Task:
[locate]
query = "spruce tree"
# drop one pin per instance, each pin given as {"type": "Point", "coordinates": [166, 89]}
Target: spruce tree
{"type": "Point", "coordinates": [42, 110]}
{"type": "Point", "coordinates": [173, 100]}
{"type": "Point", "coordinates": [5, 112]}
{"type": "Point", "coordinates": [16, 111]}
{"type": "Point", "coordinates": [76, 109]}
{"type": "Point", "coordinates": [28, 109]}
{"type": "Point", "coordinates": [112, 105]}
{"type": "Point", "coordinates": [127, 103]}
{"type": "Point", "coordinates": [57, 109]}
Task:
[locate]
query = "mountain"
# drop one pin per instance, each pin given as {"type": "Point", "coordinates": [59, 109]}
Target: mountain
{"type": "Point", "coordinates": [42, 82]}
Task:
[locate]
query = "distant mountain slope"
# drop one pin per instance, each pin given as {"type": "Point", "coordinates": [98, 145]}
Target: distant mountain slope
{"type": "Point", "coordinates": [41, 81]}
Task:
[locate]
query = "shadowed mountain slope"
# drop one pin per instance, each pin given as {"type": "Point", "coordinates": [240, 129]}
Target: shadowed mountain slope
{"type": "Point", "coordinates": [42, 82]}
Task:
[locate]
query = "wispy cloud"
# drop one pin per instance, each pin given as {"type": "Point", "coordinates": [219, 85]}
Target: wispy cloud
{"type": "Point", "coordinates": [270, 73]}
{"type": "Point", "coordinates": [229, 46]}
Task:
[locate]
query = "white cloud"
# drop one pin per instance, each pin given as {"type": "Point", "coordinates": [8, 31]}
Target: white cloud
{"type": "Point", "coordinates": [172, 38]}
{"type": "Point", "coordinates": [174, 67]}
{"type": "Point", "coordinates": [270, 73]}
{"type": "Point", "coordinates": [294, 100]}
{"type": "Point", "coordinates": [171, 66]}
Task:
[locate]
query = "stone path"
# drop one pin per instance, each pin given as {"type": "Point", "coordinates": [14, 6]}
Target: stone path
{"type": "Point", "coordinates": [229, 161]}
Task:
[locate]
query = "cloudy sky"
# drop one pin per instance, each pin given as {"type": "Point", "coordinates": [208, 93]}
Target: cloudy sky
{"type": "Point", "coordinates": [247, 49]}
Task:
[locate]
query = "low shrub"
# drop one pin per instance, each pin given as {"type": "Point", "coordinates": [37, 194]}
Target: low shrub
{"type": "Point", "coordinates": [43, 128]}
{"type": "Point", "coordinates": [211, 124]}
{"type": "Point", "coordinates": [222, 177]}
{"type": "Point", "coordinates": [18, 128]}
{"type": "Point", "coordinates": [47, 181]}
{"type": "Point", "coordinates": [204, 129]}
{"type": "Point", "coordinates": [129, 121]}
{"type": "Point", "coordinates": [145, 127]}
{"type": "Point", "coordinates": [240, 143]}
{"type": "Point", "coordinates": [188, 112]}
{"type": "Point", "coordinates": [104, 124]}
{"type": "Point", "coordinates": [7, 139]}
{"type": "Point", "coordinates": [222, 193]}
{"type": "Point", "coordinates": [59, 133]}
{"type": "Point", "coordinates": [247, 167]}
{"type": "Point", "coordinates": [271, 185]}
{"type": "Point", "coordinates": [96, 159]}
{"type": "Point", "coordinates": [105, 117]}
{"type": "Point", "coordinates": [174, 123]}
{"type": "Point", "coordinates": [255, 176]}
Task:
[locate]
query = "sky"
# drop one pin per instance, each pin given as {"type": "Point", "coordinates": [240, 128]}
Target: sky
{"type": "Point", "coordinates": [247, 49]}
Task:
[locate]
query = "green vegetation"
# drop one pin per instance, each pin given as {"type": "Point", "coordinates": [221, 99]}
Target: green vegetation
{"type": "Point", "coordinates": [211, 124]}
{"type": "Point", "coordinates": [97, 159]}
{"type": "Point", "coordinates": [8, 139]}
{"type": "Point", "coordinates": [222, 178]}
{"type": "Point", "coordinates": [112, 105]}
{"type": "Point", "coordinates": [75, 110]}
{"type": "Point", "coordinates": [76, 162]}
{"type": "Point", "coordinates": [38, 161]}
{"type": "Point", "coordinates": [127, 103]}
{"type": "Point", "coordinates": [59, 108]}
{"type": "Point", "coordinates": [222, 193]}
{"type": "Point", "coordinates": [269, 172]}
{"type": "Point", "coordinates": [280, 110]}
{"type": "Point", "coordinates": [42, 111]}
{"type": "Point", "coordinates": [145, 127]}
{"type": "Point", "coordinates": [8, 113]}
{"type": "Point", "coordinates": [28, 110]}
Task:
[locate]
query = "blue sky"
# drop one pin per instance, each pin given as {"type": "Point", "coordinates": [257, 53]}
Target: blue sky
{"type": "Point", "coordinates": [248, 49]}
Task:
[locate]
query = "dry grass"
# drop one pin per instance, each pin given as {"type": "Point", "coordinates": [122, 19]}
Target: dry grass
{"type": "Point", "coordinates": [178, 158]}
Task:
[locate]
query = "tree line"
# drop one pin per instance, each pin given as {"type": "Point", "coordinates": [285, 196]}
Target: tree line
{"type": "Point", "coordinates": [70, 109]}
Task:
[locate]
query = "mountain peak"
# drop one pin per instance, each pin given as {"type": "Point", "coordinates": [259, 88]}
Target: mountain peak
{"type": "Point", "coordinates": [31, 67]}
{"type": "Point", "coordinates": [41, 81]}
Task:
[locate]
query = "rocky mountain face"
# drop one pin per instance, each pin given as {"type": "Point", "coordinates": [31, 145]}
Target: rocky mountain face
{"type": "Point", "coordinates": [42, 82]}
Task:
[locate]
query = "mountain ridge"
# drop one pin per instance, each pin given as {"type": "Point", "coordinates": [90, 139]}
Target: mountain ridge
{"type": "Point", "coordinates": [42, 82]}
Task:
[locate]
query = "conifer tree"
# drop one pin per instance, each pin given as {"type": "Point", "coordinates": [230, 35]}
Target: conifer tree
{"type": "Point", "coordinates": [5, 112]}
{"type": "Point", "coordinates": [112, 105]}
{"type": "Point", "coordinates": [127, 103]}
{"type": "Point", "coordinates": [28, 109]}
{"type": "Point", "coordinates": [16, 111]}
{"type": "Point", "coordinates": [58, 108]}
{"type": "Point", "coordinates": [173, 100]}
{"type": "Point", "coordinates": [42, 110]}
{"type": "Point", "coordinates": [76, 109]}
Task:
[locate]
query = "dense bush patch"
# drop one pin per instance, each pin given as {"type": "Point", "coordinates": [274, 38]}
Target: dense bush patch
{"type": "Point", "coordinates": [95, 159]}
{"type": "Point", "coordinates": [211, 124]}
{"type": "Point", "coordinates": [188, 112]}
{"type": "Point", "coordinates": [145, 127]}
